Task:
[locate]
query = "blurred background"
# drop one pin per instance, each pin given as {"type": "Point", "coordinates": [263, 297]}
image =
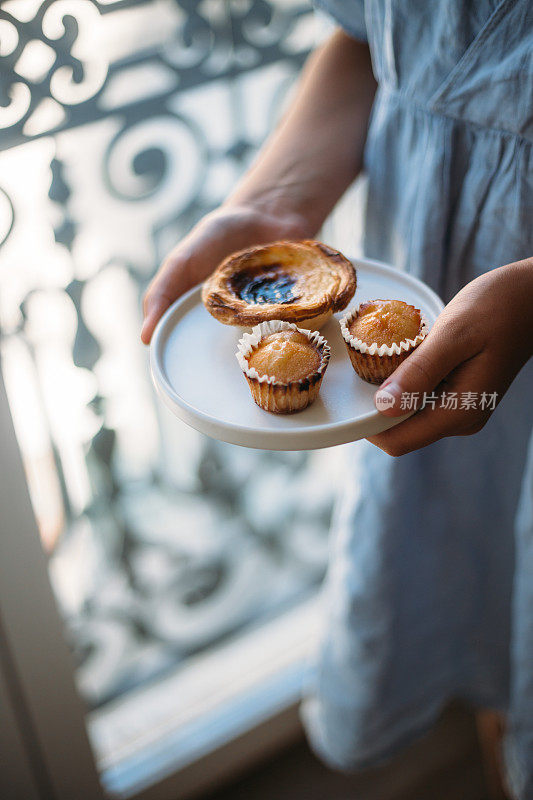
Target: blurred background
{"type": "Point", "coordinates": [185, 570]}
{"type": "Point", "coordinates": [123, 123]}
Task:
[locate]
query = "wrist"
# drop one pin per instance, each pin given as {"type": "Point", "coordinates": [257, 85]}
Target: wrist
{"type": "Point", "coordinates": [519, 292]}
{"type": "Point", "coordinates": [525, 269]}
{"type": "Point", "coordinates": [269, 215]}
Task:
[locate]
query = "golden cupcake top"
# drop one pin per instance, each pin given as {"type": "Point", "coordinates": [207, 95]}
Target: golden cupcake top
{"type": "Point", "coordinates": [283, 365]}
{"type": "Point", "coordinates": [286, 356]}
{"type": "Point", "coordinates": [385, 322]}
{"type": "Point", "coordinates": [287, 280]}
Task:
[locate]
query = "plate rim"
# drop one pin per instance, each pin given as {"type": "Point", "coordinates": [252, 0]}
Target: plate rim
{"type": "Point", "coordinates": [234, 432]}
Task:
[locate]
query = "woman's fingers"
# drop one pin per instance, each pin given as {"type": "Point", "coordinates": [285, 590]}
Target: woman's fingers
{"type": "Point", "coordinates": [474, 351]}
{"type": "Point", "coordinates": [230, 228]}
{"type": "Point", "coordinates": [446, 365]}
{"type": "Point", "coordinates": [424, 428]}
{"type": "Point", "coordinates": [432, 423]}
{"type": "Point", "coordinates": [191, 261]}
{"type": "Point", "coordinates": [175, 277]}
{"type": "Point", "coordinates": [161, 293]}
{"type": "Point", "coordinates": [155, 306]}
{"type": "Point", "coordinates": [458, 407]}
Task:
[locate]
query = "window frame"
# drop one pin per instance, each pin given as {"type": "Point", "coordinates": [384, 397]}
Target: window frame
{"type": "Point", "coordinates": [213, 716]}
{"type": "Point", "coordinates": [41, 681]}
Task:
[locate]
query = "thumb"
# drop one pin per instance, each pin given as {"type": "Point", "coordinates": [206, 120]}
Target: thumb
{"type": "Point", "coordinates": [422, 371]}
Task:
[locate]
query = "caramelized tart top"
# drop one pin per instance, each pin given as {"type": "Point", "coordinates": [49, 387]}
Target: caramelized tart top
{"type": "Point", "coordinates": [287, 280]}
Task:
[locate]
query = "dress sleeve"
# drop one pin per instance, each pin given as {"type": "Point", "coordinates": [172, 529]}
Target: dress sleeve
{"type": "Point", "coordinates": [349, 14]}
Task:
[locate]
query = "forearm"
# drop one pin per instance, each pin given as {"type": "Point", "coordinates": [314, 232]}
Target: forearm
{"type": "Point", "coordinates": [317, 150]}
{"type": "Point", "coordinates": [313, 156]}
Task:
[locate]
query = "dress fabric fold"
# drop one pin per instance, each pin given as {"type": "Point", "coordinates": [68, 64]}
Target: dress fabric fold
{"type": "Point", "coordinates": [429, 593]}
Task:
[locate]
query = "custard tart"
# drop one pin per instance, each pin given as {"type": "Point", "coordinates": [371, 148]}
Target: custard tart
{"type": "Point", "coordinates": [303, 282]}
{"type": "Point", "coordinates": [380, 334]}
{"type": "Point", "coordinates": [283, 365]}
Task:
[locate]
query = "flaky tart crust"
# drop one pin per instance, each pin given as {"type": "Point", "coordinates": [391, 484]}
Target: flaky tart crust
{"type": "Point", "coordinates": [372, 362]}
{"type": "Point", "coordinates": [294, 281]}
{"type": "Point", "coordinates": [268, 392]}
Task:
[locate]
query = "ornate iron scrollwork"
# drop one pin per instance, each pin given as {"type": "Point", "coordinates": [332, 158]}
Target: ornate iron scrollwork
{"type": "Point", "coordinates": [121, 123]}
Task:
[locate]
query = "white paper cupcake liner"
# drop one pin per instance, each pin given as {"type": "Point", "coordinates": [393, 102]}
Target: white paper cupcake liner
{"type": "Point", "coordinates": [271, 393]}
{"type": "Point", "coordinates": [374, 363]}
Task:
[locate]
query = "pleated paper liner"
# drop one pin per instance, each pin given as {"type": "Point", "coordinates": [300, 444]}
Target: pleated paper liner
{"type": "Point", "coordinates": [270, 393]}
{"type": "Point", "coordinates": [374, 363]}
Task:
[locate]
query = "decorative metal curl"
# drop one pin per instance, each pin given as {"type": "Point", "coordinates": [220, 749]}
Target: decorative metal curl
{"type": "Point", "coordinates": [7, 216]}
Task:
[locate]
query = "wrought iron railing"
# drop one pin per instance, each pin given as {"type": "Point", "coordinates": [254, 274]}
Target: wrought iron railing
{"type": "Point", "coordinates": [121, 124]}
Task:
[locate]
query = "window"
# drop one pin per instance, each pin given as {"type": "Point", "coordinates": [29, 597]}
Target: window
{"type": "Point", "coordinates": [168, 552]}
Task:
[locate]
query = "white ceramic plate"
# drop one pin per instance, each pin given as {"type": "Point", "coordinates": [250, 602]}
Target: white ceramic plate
{"type": "Point", "coordinates": [194, 368]}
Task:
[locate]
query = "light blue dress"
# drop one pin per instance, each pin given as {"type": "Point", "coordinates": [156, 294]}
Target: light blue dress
{"type": "Point", "coordinates": [430, 588]}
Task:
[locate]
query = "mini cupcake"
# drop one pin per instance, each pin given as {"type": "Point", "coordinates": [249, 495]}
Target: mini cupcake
{"type": "Point", "coordinates": [283, 364]}
{"type": "Point", "coordinates": [380, 334]}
